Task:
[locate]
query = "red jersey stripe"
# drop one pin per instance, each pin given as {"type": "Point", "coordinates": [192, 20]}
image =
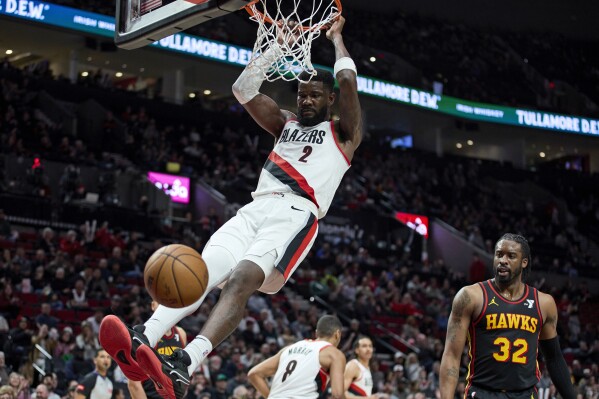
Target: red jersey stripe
{"type": "Point", "coordinates": [294, 174]}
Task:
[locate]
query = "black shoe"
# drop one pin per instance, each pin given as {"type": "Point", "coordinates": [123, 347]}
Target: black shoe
{"type": "Point", "coordinates": [121, 343]}
{"type": "Point", "coordinates": [169, 373]}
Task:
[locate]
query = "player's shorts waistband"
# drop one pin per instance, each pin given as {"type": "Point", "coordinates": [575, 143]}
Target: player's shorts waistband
{"type": "Point", "coordinates": [516, 391]}
{"type": "Point", "coordinates": [292, 198]}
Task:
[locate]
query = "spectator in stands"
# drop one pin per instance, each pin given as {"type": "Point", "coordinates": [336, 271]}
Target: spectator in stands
{"type": "Point", "coordinates": [6, 392]}
{"type": "Point", "coordinates": [219, 391]}
{"type": "Point", "coordinates": [20, 385]}
{"type": "Point", "coordinates": [95, 319]}
{"type": "Point", "coordinates": [87, 341]}
{"type": "Point", "coordinates": [50, 380]}
{"type": "Point", "coordinates": [66, 344]}
{"type": "Point", "coordinates": [71, 390]}
{"type": "Point", "coordinates": [478, 270]}
{"type": "Point", "coordinates": [69, 244]}
{"type": "Point", "coordinates": [240, 379]}
{"type": "Point", "coordinates": [9, 303]}
{"type": "Point", "coordinates": [45, 317]}
{"type": "Point", "coordinates": [4, 370]}
{"type": "Point", "coordinates": [59, 284]}
{"type": "Point", "coordinates": [41, 392]}
{"type": "Point", "coordinates": [79, 295]}
{"type": "Point", "coordinates": [46, 339]}
{"type": "Point", "coordinates": [19, 341]}
{"type": "Point", "coordinates": [6, 232]}
{"type": "Point", "coordinates": [97, 287]}
{"type": "Point", "coordinates": [47, 241]}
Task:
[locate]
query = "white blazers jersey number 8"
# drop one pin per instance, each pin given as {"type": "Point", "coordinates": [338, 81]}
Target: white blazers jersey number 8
{"type": "Point", "coordinates": [306, 161]}
{"type": "Point", "coordinates": [299, 375]}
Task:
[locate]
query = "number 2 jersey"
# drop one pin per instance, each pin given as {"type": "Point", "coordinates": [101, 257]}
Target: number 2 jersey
{"type": "Point", "coordinates": [306, 161]}
{"type": "Point", "coordinates": [299, 375]}
{"type": "Point", "coordinates": [503, 341]}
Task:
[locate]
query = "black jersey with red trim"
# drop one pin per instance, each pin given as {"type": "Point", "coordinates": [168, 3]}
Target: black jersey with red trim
{"type": "Point", "coordinates": [170, 342]}
{"type": "Point", "coordinates": [503, 341]}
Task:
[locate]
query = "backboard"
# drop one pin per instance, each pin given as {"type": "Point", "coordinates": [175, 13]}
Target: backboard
{"type": "Point", "coordinates": [142, 22]}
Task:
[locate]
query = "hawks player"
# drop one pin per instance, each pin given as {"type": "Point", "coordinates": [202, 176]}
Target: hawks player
{"type": "Point", "coordinates": [505, 321]}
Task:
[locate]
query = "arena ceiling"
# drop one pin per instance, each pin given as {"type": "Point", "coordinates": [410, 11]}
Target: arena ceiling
{"type": "Point", "coordinates": [575, 18]}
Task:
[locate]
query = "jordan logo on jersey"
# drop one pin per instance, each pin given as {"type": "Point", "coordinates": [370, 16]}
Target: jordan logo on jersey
{"type": "Point", "coordinates": [314, 136]}
{"type": "Point", "coordinates": [493, 302]}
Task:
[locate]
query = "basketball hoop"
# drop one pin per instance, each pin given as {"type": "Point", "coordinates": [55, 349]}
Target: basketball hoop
{"type": "Point", "coordinates": [293, 26]}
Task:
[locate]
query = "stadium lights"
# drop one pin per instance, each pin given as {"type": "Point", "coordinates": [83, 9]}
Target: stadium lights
{"type": "Point", "coordinates": [192, 95]}
{"type": "Point", "coordinates": [470, 142]}
{"type": "Point", "coordinates": [8, 52]}
{"type": "Point", "coordinates": [207, 92]}
{"type": "Point", "coordinates": [459, 145]}
{"type": "Point", "coordinates": [372, 59]}
{"type": "Point", "coordinates": [85, 74]}
{"type": "Point", "coordinates": [118, 74]}
{"type": "Point", "coordinates": [542, 154]}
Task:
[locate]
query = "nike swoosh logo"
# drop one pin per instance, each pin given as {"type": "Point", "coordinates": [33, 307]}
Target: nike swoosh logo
{"type": "Point", "coordinates": [296, 209]}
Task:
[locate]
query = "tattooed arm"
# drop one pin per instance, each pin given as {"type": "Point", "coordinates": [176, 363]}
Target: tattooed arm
{"type": "Point", "coordinates": [465, 302]}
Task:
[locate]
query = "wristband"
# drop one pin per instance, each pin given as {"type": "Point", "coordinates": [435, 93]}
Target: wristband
{"type": "Point", "coordinates": [345, 63]}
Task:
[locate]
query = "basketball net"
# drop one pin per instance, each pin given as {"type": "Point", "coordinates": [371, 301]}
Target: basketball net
{"type": "Point", "coordinates": [293, 26]}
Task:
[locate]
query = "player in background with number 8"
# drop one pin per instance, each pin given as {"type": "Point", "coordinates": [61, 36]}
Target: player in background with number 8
{"type": "Point", "coordinates": [505, 321]}
{"type": "Point", "coordinates": [303, 370]}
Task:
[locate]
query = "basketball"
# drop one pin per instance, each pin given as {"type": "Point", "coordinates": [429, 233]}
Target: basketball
{"type": "Point", "coordinates": [176, 276]}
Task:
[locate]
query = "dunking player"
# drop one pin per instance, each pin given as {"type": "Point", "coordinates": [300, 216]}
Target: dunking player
{"type": "Point", "coordinates": [357, 377]}
{"type": "Point", "coordinates": [503, 320]}
{"type": "Point", "coordinates": [303, 370]}
{"type": "Point", "coordinates": [261, 246]}
{"type": "Point", "coordinates": [174, 339]}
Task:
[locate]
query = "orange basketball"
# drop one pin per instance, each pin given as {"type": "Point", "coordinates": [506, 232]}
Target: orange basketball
{"type": "Point", "coordinates": [176, 276]}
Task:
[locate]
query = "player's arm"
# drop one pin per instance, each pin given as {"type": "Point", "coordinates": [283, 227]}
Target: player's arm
{"type": "Point", "coordinates": [352, 371]}
{"type": "Point", "coordinates": [182, 335]}
{"type": "Point", "coordinates": [549, 345]}
{"type": "Point", "coordinates": [462, 309]}
{"type": "Point", "coordinates": [263, 109]}
{"type": "Point", "coordinates": [350, 374]}
{"type": "Point", "coordinates": [350, 112]}
{"type": "Point", "coordinates": [260, 372]}
{"type": "Point", "coordinates": [336, 366]}
{"type": "Point", "coordinates": [136, 390]}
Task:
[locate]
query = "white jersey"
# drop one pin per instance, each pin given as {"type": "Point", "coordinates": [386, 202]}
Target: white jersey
{"type": "Point", "coordinates": [299, 375]}
{"type": "Point", "coordinates": [306, 161]}
{"type": "Point", "coordinates": [361, 386]}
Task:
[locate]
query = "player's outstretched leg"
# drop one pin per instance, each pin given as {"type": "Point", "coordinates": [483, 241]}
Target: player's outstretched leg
{"type": "Point", "coordinates": [121, 343]}
{"type": "Point", "coordinates": [171, 373]}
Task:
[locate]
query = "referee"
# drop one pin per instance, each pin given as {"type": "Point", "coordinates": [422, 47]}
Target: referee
{"type": "Point", "coordinates": [96, 385]}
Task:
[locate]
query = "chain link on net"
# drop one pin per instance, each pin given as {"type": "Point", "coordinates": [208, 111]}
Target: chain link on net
{"type": "Point", "coordinates": [294, 33]}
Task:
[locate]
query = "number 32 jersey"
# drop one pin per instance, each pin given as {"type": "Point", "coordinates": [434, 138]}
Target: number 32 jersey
{"type": "Point", "coordinates": [503, 341]}
{"type": "Point", "coordinates": [299, 375]}
{"type": "Point", "coordinates": [306, 161]}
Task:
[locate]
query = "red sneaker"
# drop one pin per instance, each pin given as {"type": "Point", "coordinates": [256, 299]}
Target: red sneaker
{"type": "Point", "coordinates": [121, 342]}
